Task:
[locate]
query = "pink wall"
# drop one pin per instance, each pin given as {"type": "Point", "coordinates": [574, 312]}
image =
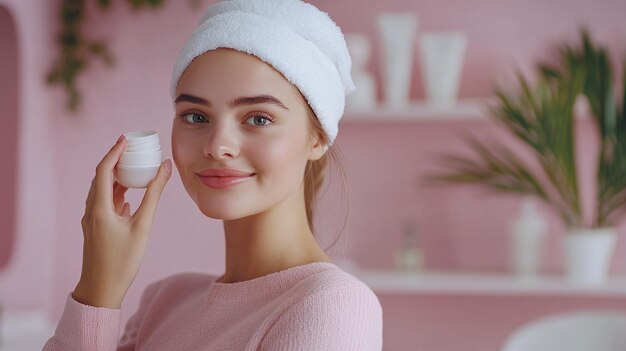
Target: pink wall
{"type": "Point", "coordinates": [460, 228]}
{"type": "Point", "coordinates": [8, 134]}
{"type": "Point", "coordinates": [26, 282]}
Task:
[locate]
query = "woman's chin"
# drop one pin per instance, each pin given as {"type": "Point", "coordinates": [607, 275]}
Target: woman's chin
{"type": "Point", "coordinates": [221, 215]}
{"type": "Point", "coordinates": [222, 212]}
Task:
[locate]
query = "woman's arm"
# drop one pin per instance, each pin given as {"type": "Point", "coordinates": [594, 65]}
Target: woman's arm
{"type": "Point", "coordinates": [85, 327]}
{"type": "Point", "coordinates": [114, 245]}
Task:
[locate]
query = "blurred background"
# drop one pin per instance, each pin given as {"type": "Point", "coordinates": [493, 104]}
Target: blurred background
{"type": "Point", "coordinates": [456, 267]}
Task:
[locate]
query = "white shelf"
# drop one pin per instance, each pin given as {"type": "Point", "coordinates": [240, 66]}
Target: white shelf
{"type": "Point", "coordinates": [419, 111]}
{"type": "Point", "coordinates": [484, 284]}
{"type": "Point", "coordinates": [25, 330]}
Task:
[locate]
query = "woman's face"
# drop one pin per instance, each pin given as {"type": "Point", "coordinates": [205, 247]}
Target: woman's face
{"type": "Point", "coordinates": [269, 140]}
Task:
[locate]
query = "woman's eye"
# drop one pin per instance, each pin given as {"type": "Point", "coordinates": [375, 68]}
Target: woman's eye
{"type": "Point", "coordinates": [195, 118]}
{"type": "Point", "coordinates": [260, 120]}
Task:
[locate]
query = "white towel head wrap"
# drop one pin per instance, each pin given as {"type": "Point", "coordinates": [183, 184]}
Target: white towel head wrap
{"type": "Point", "coordinates": [301, 42]}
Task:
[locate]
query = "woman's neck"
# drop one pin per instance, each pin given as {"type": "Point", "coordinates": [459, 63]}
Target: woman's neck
{"type": "Point", "coordinates": [269, 242]}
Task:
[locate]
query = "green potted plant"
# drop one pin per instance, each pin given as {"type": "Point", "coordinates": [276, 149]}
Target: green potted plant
{"type": "Point", "coordinates": [76, 50]}
{"type": "Point", "coordinates": [542, 116]}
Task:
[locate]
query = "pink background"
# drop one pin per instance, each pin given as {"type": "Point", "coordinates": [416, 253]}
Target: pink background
{"type": "Point", "coordinates": [49, 163]}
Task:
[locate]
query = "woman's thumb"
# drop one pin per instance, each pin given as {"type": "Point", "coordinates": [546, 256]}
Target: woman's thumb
{"type": "Point", "coordinates": [150, 200]}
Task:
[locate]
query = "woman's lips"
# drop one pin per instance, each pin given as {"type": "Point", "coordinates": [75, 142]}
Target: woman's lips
{"type": "Point", "coordinates": [223, 182]}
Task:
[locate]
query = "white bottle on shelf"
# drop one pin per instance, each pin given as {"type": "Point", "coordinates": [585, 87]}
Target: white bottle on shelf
{"type": "Point", "coordinates": [528, 231]}
{"type": "Point", "coordinates": [409, 257]}
{"type": "Point", "coordinates": [364, 98]}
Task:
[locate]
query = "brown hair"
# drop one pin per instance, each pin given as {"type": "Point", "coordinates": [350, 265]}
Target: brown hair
{"type": "Point", "coordinates": [315, 170]}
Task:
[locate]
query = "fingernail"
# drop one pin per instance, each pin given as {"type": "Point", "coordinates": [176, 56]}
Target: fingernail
{"type": "Point", "coordinates": [168, 166]}
{"type": "Point", "coordinates": [120, 139]}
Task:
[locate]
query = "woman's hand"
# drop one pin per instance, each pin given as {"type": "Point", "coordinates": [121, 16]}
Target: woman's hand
{"type": "Point", "coordinates": [114, 241]}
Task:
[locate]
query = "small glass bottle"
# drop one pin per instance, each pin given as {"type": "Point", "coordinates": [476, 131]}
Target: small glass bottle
{"type": "Point", "coordinates": [527, 232]}
{"type": "Point", "coordinates": [409, 257]}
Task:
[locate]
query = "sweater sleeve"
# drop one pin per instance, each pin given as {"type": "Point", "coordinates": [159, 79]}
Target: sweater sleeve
{"type": "Point", "coordinates": [85, 327]}
{"type": "Point", "coordinates": [332, 319]}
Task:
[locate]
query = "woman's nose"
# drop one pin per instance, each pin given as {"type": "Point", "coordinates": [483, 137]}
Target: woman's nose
{"type": "Point", "coordinates": [222, 142]}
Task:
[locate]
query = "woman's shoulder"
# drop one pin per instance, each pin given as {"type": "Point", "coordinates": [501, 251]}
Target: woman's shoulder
{"type": "Point", "coordinates": [333, 303]}
{"type": "Point", "coordinates": [336, 277]}
{"type": "Point", "coordinates": [337, 283]}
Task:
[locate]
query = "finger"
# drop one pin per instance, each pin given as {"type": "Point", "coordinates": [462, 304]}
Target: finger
{"type": "Point", "coordinates": [147, 208]}
{"type": "Point", "coordinates": [118, 196]}
{"type": "Point", "coordinates": [88, 205]}
{"type": "Point", "coordinates": [126, 210]}
{"type": "Point", "coordinates": [104, 173]}
{"type": "Point", "coordinates": [88, 202]}
{"type": "Point", "coordinates": [115, 185]}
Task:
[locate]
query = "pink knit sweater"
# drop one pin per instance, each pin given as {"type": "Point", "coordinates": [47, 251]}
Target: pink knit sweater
{"type": "Point", "coordinates": [316, 306]}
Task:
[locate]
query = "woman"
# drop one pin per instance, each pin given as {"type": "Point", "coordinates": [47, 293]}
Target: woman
{"type": "Point", "coordinates": [258, 91]}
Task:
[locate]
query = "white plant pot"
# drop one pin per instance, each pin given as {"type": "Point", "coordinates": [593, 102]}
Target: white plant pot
{"type": "Point", "coordinates": [588, 254]}
{"type": "Point", "coordinates": [397, 33]}
{"type": "Point", "coordinates": [442, 59]}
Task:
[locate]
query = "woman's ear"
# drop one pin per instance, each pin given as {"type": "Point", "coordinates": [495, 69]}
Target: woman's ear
{"type": "Point", "coordinates": [318, 149]}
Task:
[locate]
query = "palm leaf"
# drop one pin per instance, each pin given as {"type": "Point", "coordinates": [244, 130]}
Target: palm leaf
{"type": "Point", "coordinates": [541, 116]}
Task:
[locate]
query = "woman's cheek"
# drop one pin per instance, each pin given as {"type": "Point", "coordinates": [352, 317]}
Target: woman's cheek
{"type": "Point", "coordinates": [181, 152]}
{"type": "Point", "coordinates": [280, 160]}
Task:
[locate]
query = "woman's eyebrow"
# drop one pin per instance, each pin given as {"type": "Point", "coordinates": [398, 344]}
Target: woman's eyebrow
{"type": "Point", "coordinates": [242, 100]}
